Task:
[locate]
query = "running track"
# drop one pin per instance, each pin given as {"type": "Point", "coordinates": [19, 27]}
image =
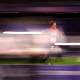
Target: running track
{"type": "Point", "coordinates": [39, 72]}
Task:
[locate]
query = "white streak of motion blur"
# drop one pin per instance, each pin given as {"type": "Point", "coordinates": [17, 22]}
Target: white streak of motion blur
{"type": "Point", "coordinates": [21, 32]}
{"type": "Point", "coordinates": [78, 44]}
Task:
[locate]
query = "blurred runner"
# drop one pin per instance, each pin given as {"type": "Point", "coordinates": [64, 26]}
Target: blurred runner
{"type": "Point", "coordinates": [53, 35]}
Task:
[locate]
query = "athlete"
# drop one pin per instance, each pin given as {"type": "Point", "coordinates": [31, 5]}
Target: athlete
{"type": "Point", "coordinates": [54, 35]}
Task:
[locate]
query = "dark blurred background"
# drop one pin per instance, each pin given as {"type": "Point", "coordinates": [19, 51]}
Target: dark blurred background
{"type": "Point", "coordinates": [37, 21]}
{"type": "Point", "coordinates": [39, 3]}
{"type": "Point", "coordinates": [24, 15]}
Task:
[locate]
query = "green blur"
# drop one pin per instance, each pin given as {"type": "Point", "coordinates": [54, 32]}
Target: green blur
{"type": "Point", "coordinates": [50, 61]}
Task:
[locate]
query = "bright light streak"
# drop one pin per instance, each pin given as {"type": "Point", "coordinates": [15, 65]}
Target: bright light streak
{"type": "Point", "coordinates": [67, 44]}
{"type": "Point", "coordinates": [21, 32]}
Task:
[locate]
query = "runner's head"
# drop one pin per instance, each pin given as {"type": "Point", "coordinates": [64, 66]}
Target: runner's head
{"type": "Point", "coordinates": [52, 24]}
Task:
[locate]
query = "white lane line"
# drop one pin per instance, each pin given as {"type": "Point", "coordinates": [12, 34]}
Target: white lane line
{"type": "Point", "coordinates": [21, 32]}
{"type": "Point", "coordinates": [12, 74]}
{"type": "Point", "coordinates": [78, 44]}
{"type": "Point", "coordinates": [59, 72]}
